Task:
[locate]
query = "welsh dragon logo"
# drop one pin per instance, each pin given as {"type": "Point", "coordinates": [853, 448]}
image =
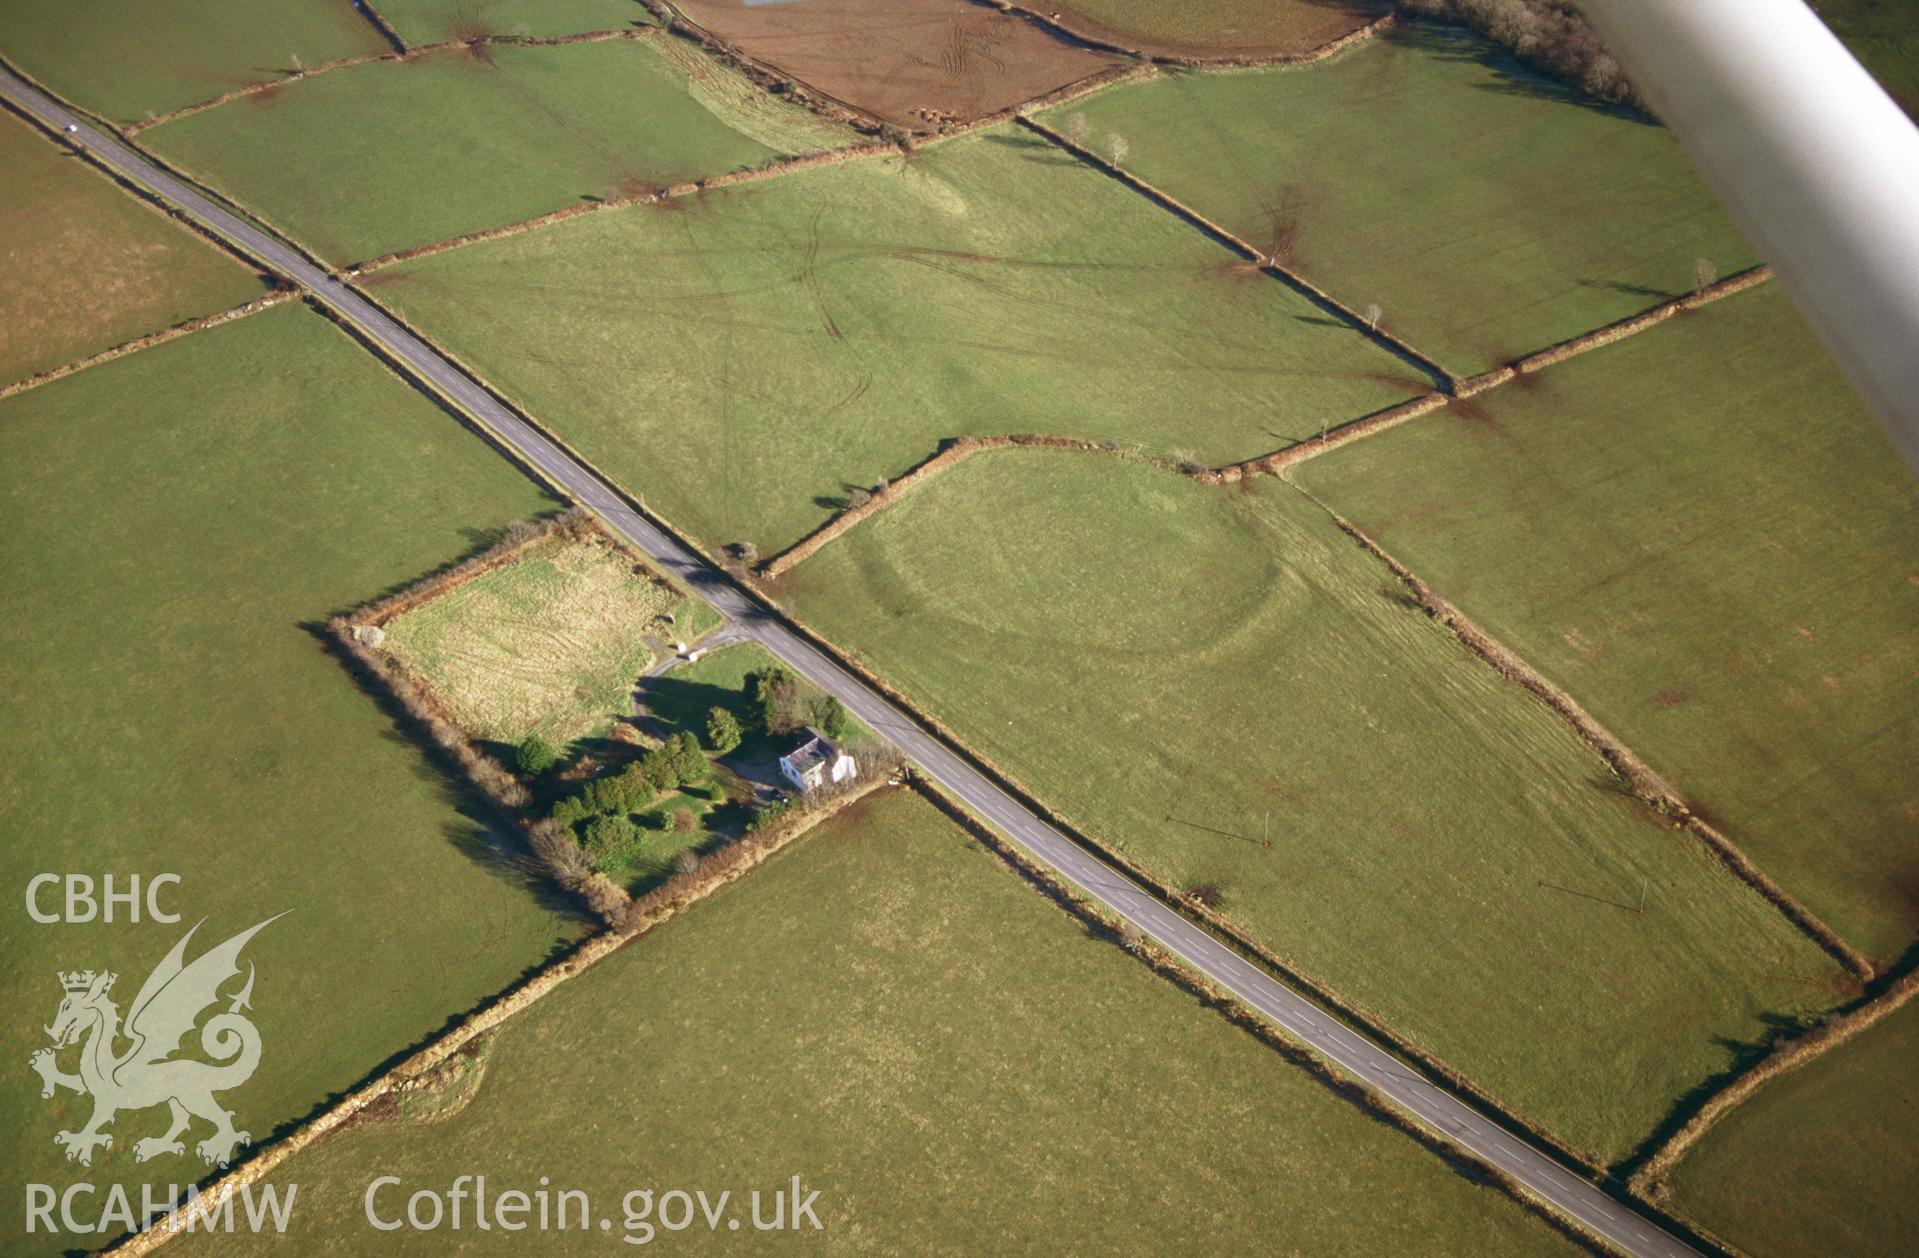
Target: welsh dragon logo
{"type": "Point", "coordinates": [147, 1073]}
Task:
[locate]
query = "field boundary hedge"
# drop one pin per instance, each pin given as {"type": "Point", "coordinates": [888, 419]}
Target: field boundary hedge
{"type": "Point", "coordinates": [378, 21]}
{"type": "Point", "coordinates": [1651, 788]}
{"type": "Point", "coordinates": [345, 1113]}
{"type": "Point", "coordinates": [1278, 461]}
{"type": "Point", "coordinates": [766, 170]}
{"type": "Point", "coordinates": [1306, 288]}
{"type": "Point", "coordinates": [1060, 27]}
{"type": "Point", "coordinates": [356, 633]}
{"type": "Point", "coordinates": [1297, 1053]}
{"type": "Point", "coordinates": [277, 297]}
{"type": "Point", "coordinates": [953, 450]}
{"type": "Point", "coordinates": [404, 52]}
{"type": "Point", "coordinates": [1649, 1180]}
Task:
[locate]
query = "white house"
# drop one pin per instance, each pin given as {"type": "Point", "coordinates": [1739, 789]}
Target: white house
{"type": "Point", "coordinates": [817, 761]}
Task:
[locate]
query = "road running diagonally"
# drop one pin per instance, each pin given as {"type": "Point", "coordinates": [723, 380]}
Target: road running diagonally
{"type": "Point", "coordinates": [1285, 1007]}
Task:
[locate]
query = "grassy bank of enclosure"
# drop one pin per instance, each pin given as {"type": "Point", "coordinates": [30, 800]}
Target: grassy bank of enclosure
{"type": "Point", "coordinates": [1820, 1163]}
{"type": "Point", "coordinates": [881, 983]}
{"type": "Point", "coordinates": [549, 644]}
{"type": "Point", "coordinates": [192, 515]}
{"type": "Point", "coordinates": [750, 358]}
{"type": "Point", "coordinates": [85, 267]}
{"type": "Point", "coordinates": [1214, 28]}
{"type": "Point", "coordinates": [1225, 688]}
{"type": "Point", "coordinates": [431, 21]}
{"type": "Point", "coordinates": [381, 157]}
{"type": "Point", "coordinates": [1487, 211]}
{"type": "Point", "coordinates": [129, 64]}
{"type": "Point", "coordinates": [1702, 535]}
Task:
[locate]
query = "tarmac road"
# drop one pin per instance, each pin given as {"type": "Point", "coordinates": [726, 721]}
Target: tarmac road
{"type": "Point", "coordinates": [1284, 1006]}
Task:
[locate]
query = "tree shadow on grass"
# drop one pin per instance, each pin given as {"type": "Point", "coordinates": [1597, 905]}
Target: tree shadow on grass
{"type": "Point", "coordinates": [1032, 146]}
{"type": "Point", "coordinates": [480, 833]}
{"type": "Point", "coordinates": [1510, 77]}
{"type": "Point", "coordinates": [1630, 290]}
{"type": "Point", "coordinates": [683, 704]}
{"type": "Point", "coordinates": [1742, 1055]}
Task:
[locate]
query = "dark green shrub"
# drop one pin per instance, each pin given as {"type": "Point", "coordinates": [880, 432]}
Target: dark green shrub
{"type": "Point", "coordinates": [776, 700]}
{"type": "Point", "coordinates": [688, 761]}
{"type": "Point", "coordinates": [829, 717]}
{"type": "Point", "coordinates": [612, 843]}
{"type": "Point", "coordinates": [536, 756]}
{"type": "Point", "coordinates": [722, 731]}
{"type": "Point", "coordinates": [636, 791]}
{"type": "Point", "coordinates": [605, 796]}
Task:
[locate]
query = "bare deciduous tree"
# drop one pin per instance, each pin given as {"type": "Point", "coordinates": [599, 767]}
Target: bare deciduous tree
{"type": "Point", "coordinates": [1372, 316]}
{"type": "Point", "coordinates": [1704, 274]}
{"type": "Point", "coordinates": [1119, 148]}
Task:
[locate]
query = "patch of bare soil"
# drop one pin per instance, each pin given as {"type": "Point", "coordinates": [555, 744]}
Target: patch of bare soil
{"type": "Point", "coordinates": [914, 63]}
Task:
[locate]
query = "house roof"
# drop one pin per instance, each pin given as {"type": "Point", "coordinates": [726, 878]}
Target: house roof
{"type": "Point", "coordinates": [813, 748]}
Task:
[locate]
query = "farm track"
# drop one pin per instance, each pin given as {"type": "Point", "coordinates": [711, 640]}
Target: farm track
{"type": "Point", "coordinates": [1530, 1168]}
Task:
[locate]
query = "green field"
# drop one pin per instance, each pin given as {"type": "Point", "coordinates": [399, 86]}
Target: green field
{"type": "Point", "coordinates": [84, 267]}
{"type": "Point", "coordinates": [1702, 535]}
{"type": "Point", "coordinates": [400, 153]}
{"type": "Point", "coordinates": [1487, 211]}
{"type": "Point", "coordinates": [431, 21]}
{"type": "Point", "coordinates": [1220, 685]}
{"type": "Point", "coordinates": [549, 644]}
{"type": "Point", "coordinates": [748, 359]}
{"type": "Point", "coordinates": [953, 1064]}
{"type": "Point", "coordinates": [1884, 35]}
{"type": "Point", "coordinates": [176, 52]}
{"type": "Point", "coordinates": [193, 514]}
{"type": "Point", "coordinates": [1820, 1163]}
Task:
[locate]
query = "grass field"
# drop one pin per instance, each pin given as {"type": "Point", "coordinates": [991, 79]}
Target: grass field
{"type": "Point", "coordinates": [1217, 27]}
{"type": "Point", "coordinates": [431, 21]}
{"type": "Point", "coordinates": [1225, 688]}
{"type": "Point", "coordinates": [1703, 536]}
{"type": "Point", "coordinates": [747, 359]}
{"type": "Point", "coordinates": [1820, 1163]}
{"type": "Point", "coordinates": [549, 644]}
{"type": "Point", "coordinates": [395, 154]}
{"type": "Point", "coordinates": [884, 982]}
{"type": "Point", "coordinates": [193, 515]}
{"type": "Point", "coordinates": [84, 267]}
{"type": "Point", "coordinates": [178, 52]}
{"type": "Point", "coordinates": [1884, 35]}
{"type": "Point", "coordinates": [1557, 217]}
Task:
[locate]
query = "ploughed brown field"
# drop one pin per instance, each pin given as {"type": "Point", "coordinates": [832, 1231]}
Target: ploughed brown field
{"type": "Point", "coordinates": [1213, 28]}
{"type": "Point", "coordinates": [914, 63]}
